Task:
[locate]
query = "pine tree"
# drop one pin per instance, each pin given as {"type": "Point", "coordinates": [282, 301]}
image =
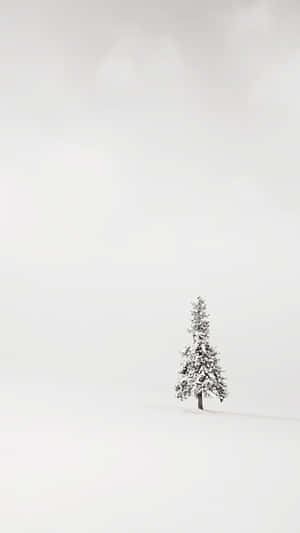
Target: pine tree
{"type": "Point", "coordinates": [200, 373]}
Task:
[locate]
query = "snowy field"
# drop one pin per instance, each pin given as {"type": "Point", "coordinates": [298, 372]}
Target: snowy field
{"type": "Point", "coordinates": [153, 468]}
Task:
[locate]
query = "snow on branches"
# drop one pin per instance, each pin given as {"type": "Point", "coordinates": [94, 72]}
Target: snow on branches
{"type": "Point", "coordinates": [200, 372]}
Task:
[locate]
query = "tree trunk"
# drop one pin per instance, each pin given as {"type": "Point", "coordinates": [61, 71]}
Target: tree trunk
{"type": "Point", "coordinates": [200, 401]}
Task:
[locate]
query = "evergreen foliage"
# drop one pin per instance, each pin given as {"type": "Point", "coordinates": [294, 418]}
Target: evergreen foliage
{"type": "Point", "coordinates": [200, 372]}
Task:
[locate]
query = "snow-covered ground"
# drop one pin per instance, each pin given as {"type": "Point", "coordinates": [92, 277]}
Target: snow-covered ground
{"type": "Point", "coordinates": [149, 468]}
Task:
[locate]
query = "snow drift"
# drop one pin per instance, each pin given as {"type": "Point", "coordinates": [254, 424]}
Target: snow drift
{"type": "Point", "coordinates": [150, 469]}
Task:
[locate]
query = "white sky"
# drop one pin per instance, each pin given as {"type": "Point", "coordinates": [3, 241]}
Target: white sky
{"type": "Point", "coordinates": [149, 154]}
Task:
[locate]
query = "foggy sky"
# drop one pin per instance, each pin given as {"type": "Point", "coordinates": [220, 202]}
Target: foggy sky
{"type": "Point", "coordinates": [149, 154]}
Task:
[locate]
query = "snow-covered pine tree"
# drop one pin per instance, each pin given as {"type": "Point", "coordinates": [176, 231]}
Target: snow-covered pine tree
{"type": "Point", "coordinates": [200, 373]}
